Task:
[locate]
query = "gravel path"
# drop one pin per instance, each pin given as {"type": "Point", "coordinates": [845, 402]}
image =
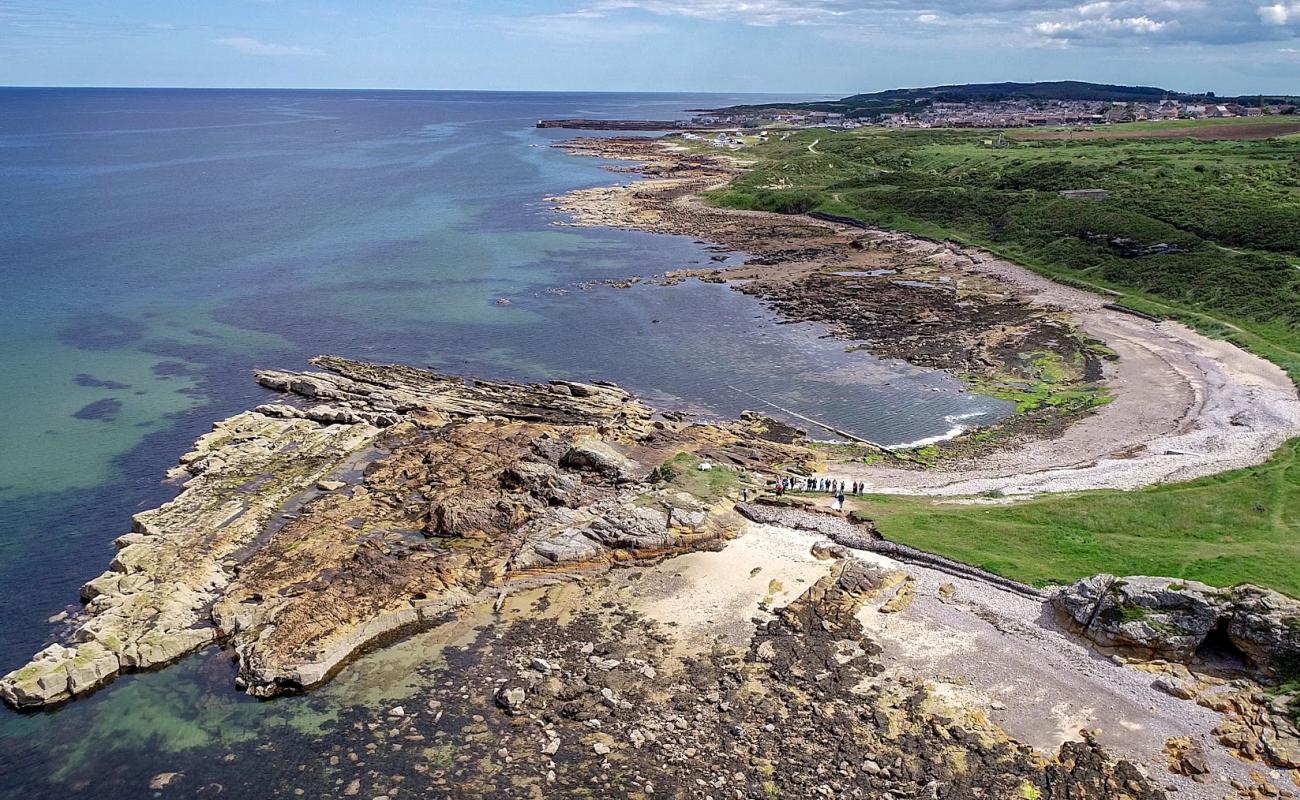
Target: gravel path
{"type": "Point", "coordinates": [1184, 406]}
{"type": "Point", "coordinates": [1005, 653]}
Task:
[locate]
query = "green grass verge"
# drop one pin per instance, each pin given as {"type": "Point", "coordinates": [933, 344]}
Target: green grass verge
{"type": "Point", "coordinates": [682, 472]}
{"type": "Point", "coordinates": [1240, 526]}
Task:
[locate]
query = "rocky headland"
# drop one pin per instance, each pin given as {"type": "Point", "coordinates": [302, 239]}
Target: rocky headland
{"type": "Point", "coordinates": [375, 499]}
{"type": "Point", "coordinates": [649, 620]}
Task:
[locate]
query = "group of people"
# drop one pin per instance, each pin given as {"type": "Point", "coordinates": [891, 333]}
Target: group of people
{"type": "Point", "coordinates": [814, 484]}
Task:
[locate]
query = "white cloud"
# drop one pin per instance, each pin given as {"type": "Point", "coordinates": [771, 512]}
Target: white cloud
{"type": "Point", "coordinates": [1168, 21]}
{"type": "Point", "coordinates": [1279, 14]}
{"type": "Point", "coordinates": [578, 26]}
{"type": "Point", "coordinates": [1106, 25]}
{"type": "Point", "coordinates": [256, 47]}
{"type": "Point", "coordinates": [763, 13]}
{"type": "Point", "coordinates": [1094, 22]}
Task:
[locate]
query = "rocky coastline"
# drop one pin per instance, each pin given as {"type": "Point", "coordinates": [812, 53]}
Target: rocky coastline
{"type": "Point", "coordinates": [655, 622]}
{"type": "Point", "coordinates": [374, 499]}
{"type": "Point", "coordinates": [369, 502]}
{"type": "Point", "coordinates": [1104, 398]}
{"type": "Point", "coordinates": [897, 297]}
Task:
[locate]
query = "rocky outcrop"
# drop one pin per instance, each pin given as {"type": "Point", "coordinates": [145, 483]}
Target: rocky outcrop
{"type": "Point", "coordinates": [1257, 726]}
{"type": "Point", "coordinates": [1186, 621]}
{"type": "Point", "coordinates": [150, 607]}
{"type": "Point", "coordinates": [369, 501]}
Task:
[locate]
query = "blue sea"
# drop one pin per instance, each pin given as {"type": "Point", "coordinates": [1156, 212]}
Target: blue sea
{"type": "Point", "coordinates": [157, 246]}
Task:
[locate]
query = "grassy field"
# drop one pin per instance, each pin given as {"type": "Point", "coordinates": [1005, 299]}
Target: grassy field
{"type": "Point", "coordinates": [1205, 230]}
{"type": "Point", "coordinates": [1233, 128]}
{"type": "Point", "coordinates": [1241, 526]}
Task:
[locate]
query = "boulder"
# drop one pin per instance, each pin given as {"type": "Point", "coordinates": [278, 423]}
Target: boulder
{"type": "Point", "coordinates": [829, 551]}
{"type": "Point", "coordinates": [164, 779]}
{"type": "Point", "coordinates": [590, 453]}
{"type": "Point", "coordinates": [511, 697]}
{"type": "Point", "coordinates": [1158, 617]}
{"type": "Point", "coordinates": [1265, 626]}
{"type": "Point", "coordinates": [1186, 757]}
{"type": "Point", "coordinates": [42, 682]}
{"type": "Point", "coordinates": [1179, 620]}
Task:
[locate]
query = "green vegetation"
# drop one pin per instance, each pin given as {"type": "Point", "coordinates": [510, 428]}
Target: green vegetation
{"type": "Point", "coordinates": [1292, 688]}
{"type": "Point", "coordinates": [1048, 382]}
{"type": "Point", "coordinates": [1202, 230]}
{"type": "Point", "coordinates": [1133, 613]}
{"type": "Point", "coordinates": [683, 472]}
{"type": "Point", "coordinates": [1235, 527]}
{"type": "Point", "coordinates": [1207, 232]}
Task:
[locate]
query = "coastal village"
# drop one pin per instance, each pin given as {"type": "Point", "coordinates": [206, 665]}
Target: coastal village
{"type": "Point", "coordinates": [998, 114]}
{"type": "Point", "coordinates": [733, 129]}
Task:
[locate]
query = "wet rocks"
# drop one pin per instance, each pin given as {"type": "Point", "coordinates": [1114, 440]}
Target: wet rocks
{"type": "Point", "coordinates": [164, 779]}
{"type": "Point", "coordinates": [150, 607]}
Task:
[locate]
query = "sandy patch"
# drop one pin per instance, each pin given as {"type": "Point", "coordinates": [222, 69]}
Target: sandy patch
{"type": "Point", "coordinates": [717, 595]}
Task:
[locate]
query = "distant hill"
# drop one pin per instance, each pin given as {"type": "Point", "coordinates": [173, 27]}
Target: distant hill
{"type": "Point", "coordinates": [902, 100]}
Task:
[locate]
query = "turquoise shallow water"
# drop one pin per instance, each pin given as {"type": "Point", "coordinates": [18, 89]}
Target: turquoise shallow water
{"type": "Point", "coordinates": [159, 245]}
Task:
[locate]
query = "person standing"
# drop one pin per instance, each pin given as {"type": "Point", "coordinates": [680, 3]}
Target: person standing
{"type": "Point", "coordinates": [839, 500]}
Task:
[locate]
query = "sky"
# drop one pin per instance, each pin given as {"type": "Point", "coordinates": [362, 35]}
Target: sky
{"type": "Point", "coordinates": [831, 47]}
